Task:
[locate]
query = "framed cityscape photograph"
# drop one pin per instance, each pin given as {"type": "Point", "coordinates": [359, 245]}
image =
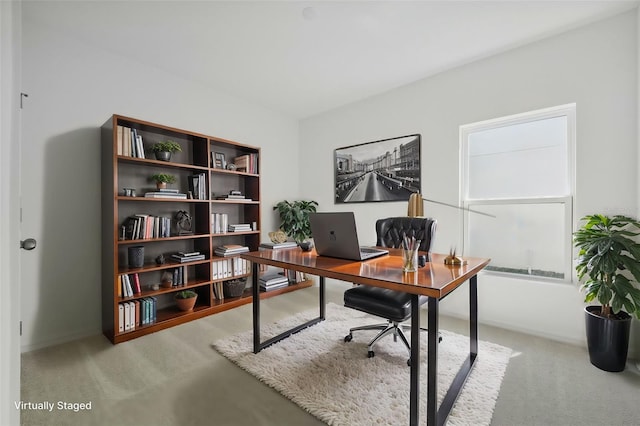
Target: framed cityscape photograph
{"type": "Point", "coordinates": [384, 170]}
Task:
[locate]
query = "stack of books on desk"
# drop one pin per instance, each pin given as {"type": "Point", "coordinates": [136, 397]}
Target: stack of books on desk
{"type": "Point", "coordinates": [183, 257]}
{"type": "Point", "coordinates": [272, 281]}
{"type": "Point", "coordinates": [276, 246]}
{"type": "Point", "coordinates": [230, 250]}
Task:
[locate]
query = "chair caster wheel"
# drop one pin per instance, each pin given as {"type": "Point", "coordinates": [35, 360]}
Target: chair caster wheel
{"type": "Point", "coordinates": [348, 337]}
{"type": "Point", "coordinates": [370, 354]}
{"type": "Point", "coordinates": [409, 362]}
{"type": "Point", "coordinates": [439, 339]}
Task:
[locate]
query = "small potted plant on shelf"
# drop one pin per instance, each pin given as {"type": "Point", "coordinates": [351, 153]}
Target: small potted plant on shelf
{"type": "Point", "coordinates": [294, 218]}
{"type": "Point", "coordinates": [164, 149]}
{"type": "Point", "coordinates": [186, 299]}
{"type": "Point", "coordinates": [162, 179]}
{"type": "Point", "coordinates": [608, 266]}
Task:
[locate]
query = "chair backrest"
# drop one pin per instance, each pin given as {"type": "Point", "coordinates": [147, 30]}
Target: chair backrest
{"type": "Point", "coordinates": [390, 231]}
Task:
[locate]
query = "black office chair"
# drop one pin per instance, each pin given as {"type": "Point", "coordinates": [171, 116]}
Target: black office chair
{"type": "Point", "coordinates": [393, 305]}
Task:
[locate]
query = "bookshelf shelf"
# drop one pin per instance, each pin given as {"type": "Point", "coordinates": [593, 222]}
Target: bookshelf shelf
{"type": "Point", "coordinates": [128, 163]}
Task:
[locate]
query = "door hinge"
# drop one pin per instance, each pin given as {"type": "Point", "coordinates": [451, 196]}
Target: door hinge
{"type": "Point", "coordinates": [21, 328]}
{"type": "Point", "coordinates": [22, 96]}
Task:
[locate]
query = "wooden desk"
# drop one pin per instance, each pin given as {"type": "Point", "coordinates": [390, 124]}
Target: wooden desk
{"type": "Point", "coordinates": [435, 280]}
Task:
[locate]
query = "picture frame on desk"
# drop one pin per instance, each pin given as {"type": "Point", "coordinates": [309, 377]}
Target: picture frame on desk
{"type": "Point", "coordinates": [219, 160]}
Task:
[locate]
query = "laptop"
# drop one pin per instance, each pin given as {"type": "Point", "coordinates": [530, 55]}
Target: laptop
{"type": "Point", "coordinates": [335, 235]}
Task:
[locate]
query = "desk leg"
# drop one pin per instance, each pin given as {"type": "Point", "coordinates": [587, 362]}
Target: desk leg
{"type": "Point", "coordinates": [473, 316]}
{"type": "Point", "coordinates": [432, 361]}
{"type": "Point", "coordinates": [255, 292]}
{"type": "Point", "coordinates": [467, 365]}
{"type": "Point", "coordinates": [257, 345]}
{"type": "Point", "coordinates": [323, 302]}
{"type": "Point", "coordinates": [414, 390]}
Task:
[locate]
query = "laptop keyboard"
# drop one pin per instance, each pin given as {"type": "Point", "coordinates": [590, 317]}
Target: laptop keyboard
{"type": "Point", "coordinates": [369, 250]}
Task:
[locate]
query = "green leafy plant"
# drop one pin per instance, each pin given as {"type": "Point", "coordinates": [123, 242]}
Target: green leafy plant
{"type": "Point", "coordinates": [186, 294]}
{"type": "Point", "coordinates": [166, 146]}
{"type": "Point", "coordinates": [609, 258]}
{"type": "Point", "coordinates": [163, 178]}
{"type": "Point", "coordinates": [294, 218]}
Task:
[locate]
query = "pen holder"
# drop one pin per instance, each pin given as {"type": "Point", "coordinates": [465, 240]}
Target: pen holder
{"type": "Point", "coordinates": [410, 259]}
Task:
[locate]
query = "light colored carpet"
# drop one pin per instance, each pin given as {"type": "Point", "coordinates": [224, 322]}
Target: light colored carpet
{"type": "Point", "coordinates": [336, 382]}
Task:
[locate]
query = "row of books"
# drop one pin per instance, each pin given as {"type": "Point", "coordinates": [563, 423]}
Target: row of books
{"type": "Point", "coordinates": [198, 186]}
{"type": "Point", "coordinates": [230, 250]}
{"type": "Point", "coordinates": [184, 257]}
{"type": "Point", "coordinates": [218, 290]}
{"type": "Point", "coordinates": [144, 226]}
{"type": "Point", "coordinates": [273, 280]}
{"type": "Point", "coordinates": [166, 193]}
{"type": "Point", "coordinates": [135, 314]}
{"type": "Point", "coordinates": [129, 142]}
{"type": "Point", "coordinates": [179, 275]}
{"type": "Point", "coordinates": [247, 163]}
{"type": "Point", "coordinates": [128, 285]}
{"type": "Point", "coordinates": [228, 268]}
{"type": "Point", "coordinates": [219, 223]}
{"type": "Point", "coordinates": [294, 276]}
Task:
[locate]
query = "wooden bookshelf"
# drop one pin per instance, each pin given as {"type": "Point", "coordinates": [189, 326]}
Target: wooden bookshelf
{"type": "Point", "coordinates": [121, 169]}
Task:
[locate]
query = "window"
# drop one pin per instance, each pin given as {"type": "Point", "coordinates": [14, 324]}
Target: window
{"type": "Point", "coordinates": [520, 169]}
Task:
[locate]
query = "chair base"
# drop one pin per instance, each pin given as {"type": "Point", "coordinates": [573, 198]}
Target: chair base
{"type": "Point", "coordinates": [391, 327]}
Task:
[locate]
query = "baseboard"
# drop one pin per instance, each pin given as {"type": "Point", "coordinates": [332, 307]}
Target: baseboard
{"type": "Point", "coordinates": [532, 332]}
{"type": "Point", "coordinates": [59, 340]}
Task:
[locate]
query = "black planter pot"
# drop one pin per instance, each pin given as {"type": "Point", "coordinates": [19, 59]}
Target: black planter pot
{"type": "Point", "coordinates": [163, 155]}
{"type": "Point", "coordinates": [607, 339]}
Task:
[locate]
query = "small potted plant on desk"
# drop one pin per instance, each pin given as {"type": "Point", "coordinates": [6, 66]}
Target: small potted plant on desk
{"type": "Point", "coordinates": [186, 300]}
{"type": "Point", "coordinates": [164, 149]}
{"type": "Point", "coordinates": [162, 179]}
{"type": "Point", "coordinates": [609, 268]}
{"type": "Point", "coordinates": [294, 218]}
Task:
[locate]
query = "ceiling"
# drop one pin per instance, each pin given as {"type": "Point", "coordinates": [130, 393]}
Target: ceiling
{"type": "Point", "coordinates": [305, 57]}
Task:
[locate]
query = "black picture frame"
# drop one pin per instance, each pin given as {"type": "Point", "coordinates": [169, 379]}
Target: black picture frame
{"type": "Point", "coordinates": [378, 171]}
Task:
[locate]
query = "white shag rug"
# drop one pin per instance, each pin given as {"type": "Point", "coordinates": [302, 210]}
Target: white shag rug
{"type": "Point", "coordinates": [337, 383]}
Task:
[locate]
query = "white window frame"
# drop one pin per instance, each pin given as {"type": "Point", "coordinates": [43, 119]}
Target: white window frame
{"type": "Point", "coordinates": [568, 111]}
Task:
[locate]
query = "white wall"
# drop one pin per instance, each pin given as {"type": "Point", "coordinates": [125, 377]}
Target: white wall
{"type": "Point", "coordinates": [594, 66]}
{"type": "Point", "coordinates": [9, 211]}
{"type": "Point", "coordinates": [73, 89]}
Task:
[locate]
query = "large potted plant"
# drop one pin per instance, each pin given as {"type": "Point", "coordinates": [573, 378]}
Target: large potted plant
{"type": "Point", "coordinates": [294, 220]}
{"type": "Point", "coordinates": [608, 268]}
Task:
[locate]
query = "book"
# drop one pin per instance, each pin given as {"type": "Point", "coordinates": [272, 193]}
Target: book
{"type": "Point", "coordinates": [239, 227]}
{"type": "Point", "coordinates": [163, 194]}
{"type": "Point", "coordinates": [136, 281]}
{"type": "Point", "coordinates": [222, 252]}
{"type": "Point", "coordinates": [275, 246]}
{"type": "Point", "coordinates": [273, 287]}
{"type": "Point", "coordinates": [183, 259]}
{"type": "Point", "coordinates": [273, 278]}
{"type": "Point", "coordinates": [238, 200]}
{"type": "Point", "coordinates": [190, 253]}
